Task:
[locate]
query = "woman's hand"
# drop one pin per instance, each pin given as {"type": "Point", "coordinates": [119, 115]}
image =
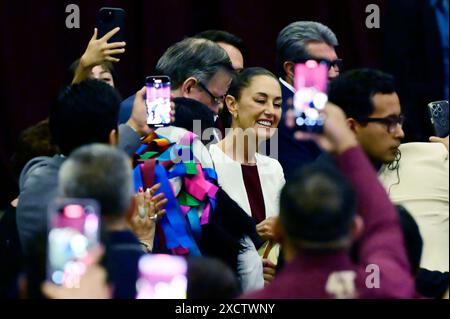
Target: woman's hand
{"type": "Point", "coordinates": [148, 211]}
{"type": "Point", "coordinates": [269, 271]}
{"type": "Point", "coordinates": [265, 229]}
{"type": "Point", "coordinates": [100, 51]}
{"type": "Point", "coordinates": [97, 52]}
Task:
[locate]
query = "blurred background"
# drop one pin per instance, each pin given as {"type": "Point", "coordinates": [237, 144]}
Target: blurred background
{"type": "Point", "coordinates": [36, 48]}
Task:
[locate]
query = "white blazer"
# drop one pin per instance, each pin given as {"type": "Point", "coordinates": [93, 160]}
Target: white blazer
{"type": "Point", "coordinates": [230, 178]}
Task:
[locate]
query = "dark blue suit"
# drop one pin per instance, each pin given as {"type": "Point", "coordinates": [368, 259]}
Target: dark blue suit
{"type": "Point", "coordinates": [292, 154]}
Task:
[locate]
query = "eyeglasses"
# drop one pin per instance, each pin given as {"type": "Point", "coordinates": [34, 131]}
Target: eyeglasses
{"type": "Point", "coordinates": [339, 63]}
{"type": "Point", "coordinates": [391, 122]}
{"type": "Point", "coordinates": [216, 99]}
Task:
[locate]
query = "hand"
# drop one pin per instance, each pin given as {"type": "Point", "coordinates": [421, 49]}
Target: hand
{"type": "Point", "coordinates": [435, 139]}
{"type": "Point", "coordinates": [265, 229]}
{"type": "Point", "coordinates": [337, 136]}
{"type": "Point", "coordinates": [147, 213]}
{"type": "Point", "coordinates": [138, 118]}
{"type": "Point", "coordinates": [100, 51]}
{"type": "Point", "coordinates": [269, 271]}
{"type": "Point", "coordinates": [93, 283]}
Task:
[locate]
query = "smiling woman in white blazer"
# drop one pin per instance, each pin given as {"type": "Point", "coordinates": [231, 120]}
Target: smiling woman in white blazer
{"type": "Point", "coordinates": [252, 179]}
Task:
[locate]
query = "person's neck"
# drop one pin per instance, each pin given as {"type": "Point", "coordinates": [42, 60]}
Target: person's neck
{"type": "Point", "coordinates": [376, 164]}
{"type": "Point", "coordinates": [239, 146]}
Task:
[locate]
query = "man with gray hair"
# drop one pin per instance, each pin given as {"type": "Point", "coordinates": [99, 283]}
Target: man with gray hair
{"type": "Point", "coordinates": [103, 173]}
{"type": "Point", "coordinates": [296, 43]}
{"type": "Point", "coordinates": [200, 71]}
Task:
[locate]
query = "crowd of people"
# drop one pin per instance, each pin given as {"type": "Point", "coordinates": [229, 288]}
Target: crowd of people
{"type": "Point", "coordinates": [258, 209]}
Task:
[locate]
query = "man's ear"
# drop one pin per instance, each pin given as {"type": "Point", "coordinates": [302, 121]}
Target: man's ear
{"type": "Point", "coordinates": [357, 228]}
{"type": "Point", "coordinates": [352, 124]}
{"type": "Point", "coordinates": [187, 86]}
{"type": "Point", "coordinates": [113, 139]}
{"type": "Point", "coordinates": [288, 68]}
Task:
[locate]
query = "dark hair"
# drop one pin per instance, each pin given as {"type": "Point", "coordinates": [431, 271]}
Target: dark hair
{"type": "Point", "coordinates": [188, 110]}
{"type": "Point", "coordinates": [353, 91]}
{"type": "Point", "coordinates": [70, 73]}
{"type": "Point", "coordinates": [191, 57]}
{"type": "Point", "coordinates": [33, 142]}
{"type": "Point", "coordinates": [293, 39]}
{"type": "Point", "coordinates": [241, 81]}
{"type": "Point", "coordinates": [412, 238]}
{"type": "Point", "coordinates": [210, 278]}
{"type": "Point", "coordinates": [84, 113]}
{"type": "Point", "coordinates": [317, 207]}
{"type": "Point", "coordinates": [222, 36]}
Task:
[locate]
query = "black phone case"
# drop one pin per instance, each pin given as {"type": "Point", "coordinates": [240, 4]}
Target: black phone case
{"type": "Point", "coordinates": [108, 19]}
{"type": "Point", "coordinates": [439, 117]}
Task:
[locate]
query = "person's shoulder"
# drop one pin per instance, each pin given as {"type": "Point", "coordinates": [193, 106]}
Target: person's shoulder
{"type": "Point", "coordinates": [423, 149]}
{"type": "Point", "coordinates": [39, 167]}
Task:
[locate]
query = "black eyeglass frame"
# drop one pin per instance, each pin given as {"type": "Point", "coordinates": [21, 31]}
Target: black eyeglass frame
{"type": "Point", "coordinates": [391, 121]}
{"type": "Point", "coordinates": [338, 62]}
{"type": "Point", "coordinates": [216, 99]}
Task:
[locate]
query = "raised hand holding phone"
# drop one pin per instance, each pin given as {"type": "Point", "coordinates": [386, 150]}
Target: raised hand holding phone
{"type": "Point", "coordinates": [336, 137]}
{"type": "Point", "coordinates": [97, 52]}
{"type": "Point", "coordinates": [73, 236]}
{"type": "Point", "coordinates": [310, 83]}
{"type": "Point", "coordinates": [158, 100]}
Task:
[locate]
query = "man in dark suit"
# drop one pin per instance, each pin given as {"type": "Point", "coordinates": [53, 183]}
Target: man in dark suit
{"type": "Point", "coordinates": [296, 43]}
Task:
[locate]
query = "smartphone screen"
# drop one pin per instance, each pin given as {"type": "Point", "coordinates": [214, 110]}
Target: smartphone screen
{"type": "Point", "coordinates": [158, 100]}
{"type": "Point", "coordinates": [439, 117]}
{"type": "Point", "coordinates": [162, 277]}
{"type": "Point", "coordinates": [310, 83]}
{"type": "Point", "coordinates": [73, 233]}
{"type": "Point", "coordinates": [109, 19]}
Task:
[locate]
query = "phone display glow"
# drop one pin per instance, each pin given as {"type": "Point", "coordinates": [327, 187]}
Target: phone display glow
{"type": "Point", "coordinates": [158, 101]}
{"type": "Point", "coordinates": [162, 277]}
{"type": "Point", "coordinates": [74, 228]}
{"type": "Point", "coordinates": [310, 83]}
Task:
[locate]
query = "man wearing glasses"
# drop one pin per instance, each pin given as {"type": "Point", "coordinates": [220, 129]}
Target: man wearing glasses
{"type": "Point", "coordinates": [415, 175]}
{"type": "Point", "coordinates": [199, 70]}
{"type": "Point", "coordinates": [373, 111]}
{"type": "Point", "coordinates": [296, 43]}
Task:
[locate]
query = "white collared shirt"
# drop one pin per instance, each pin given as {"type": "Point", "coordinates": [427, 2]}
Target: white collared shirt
{"type": "Point", "coordinates": [290, 87]}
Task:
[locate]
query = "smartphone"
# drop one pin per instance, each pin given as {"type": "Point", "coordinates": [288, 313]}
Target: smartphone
{"type": "Point", "coordinates": [158, 100]}
{"type": "Point", "coordinates": [310, 83]}
{"type": "Point", "coordinates": [439, 117]}
{"type": "Point", "coordinates": [73, 233]}
{"type": "Point", "coordinates": [162, 277]}
{"type": "Point", "coordinates": [109, 19]}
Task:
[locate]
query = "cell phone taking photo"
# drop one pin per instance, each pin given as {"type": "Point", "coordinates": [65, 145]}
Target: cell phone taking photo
{"type": "Point", "coordinates": [73, 234]}
{"type": "Point", "coordinates": [310, 83]}
{"type": "Point", "coordinates": [109, 19]}
{"type": "Point", "coordinates": [439, 117]}
{"type": "Point", "coordinates": [162, 277]}
{"type": "Point", "coordinates": [158, 100]}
